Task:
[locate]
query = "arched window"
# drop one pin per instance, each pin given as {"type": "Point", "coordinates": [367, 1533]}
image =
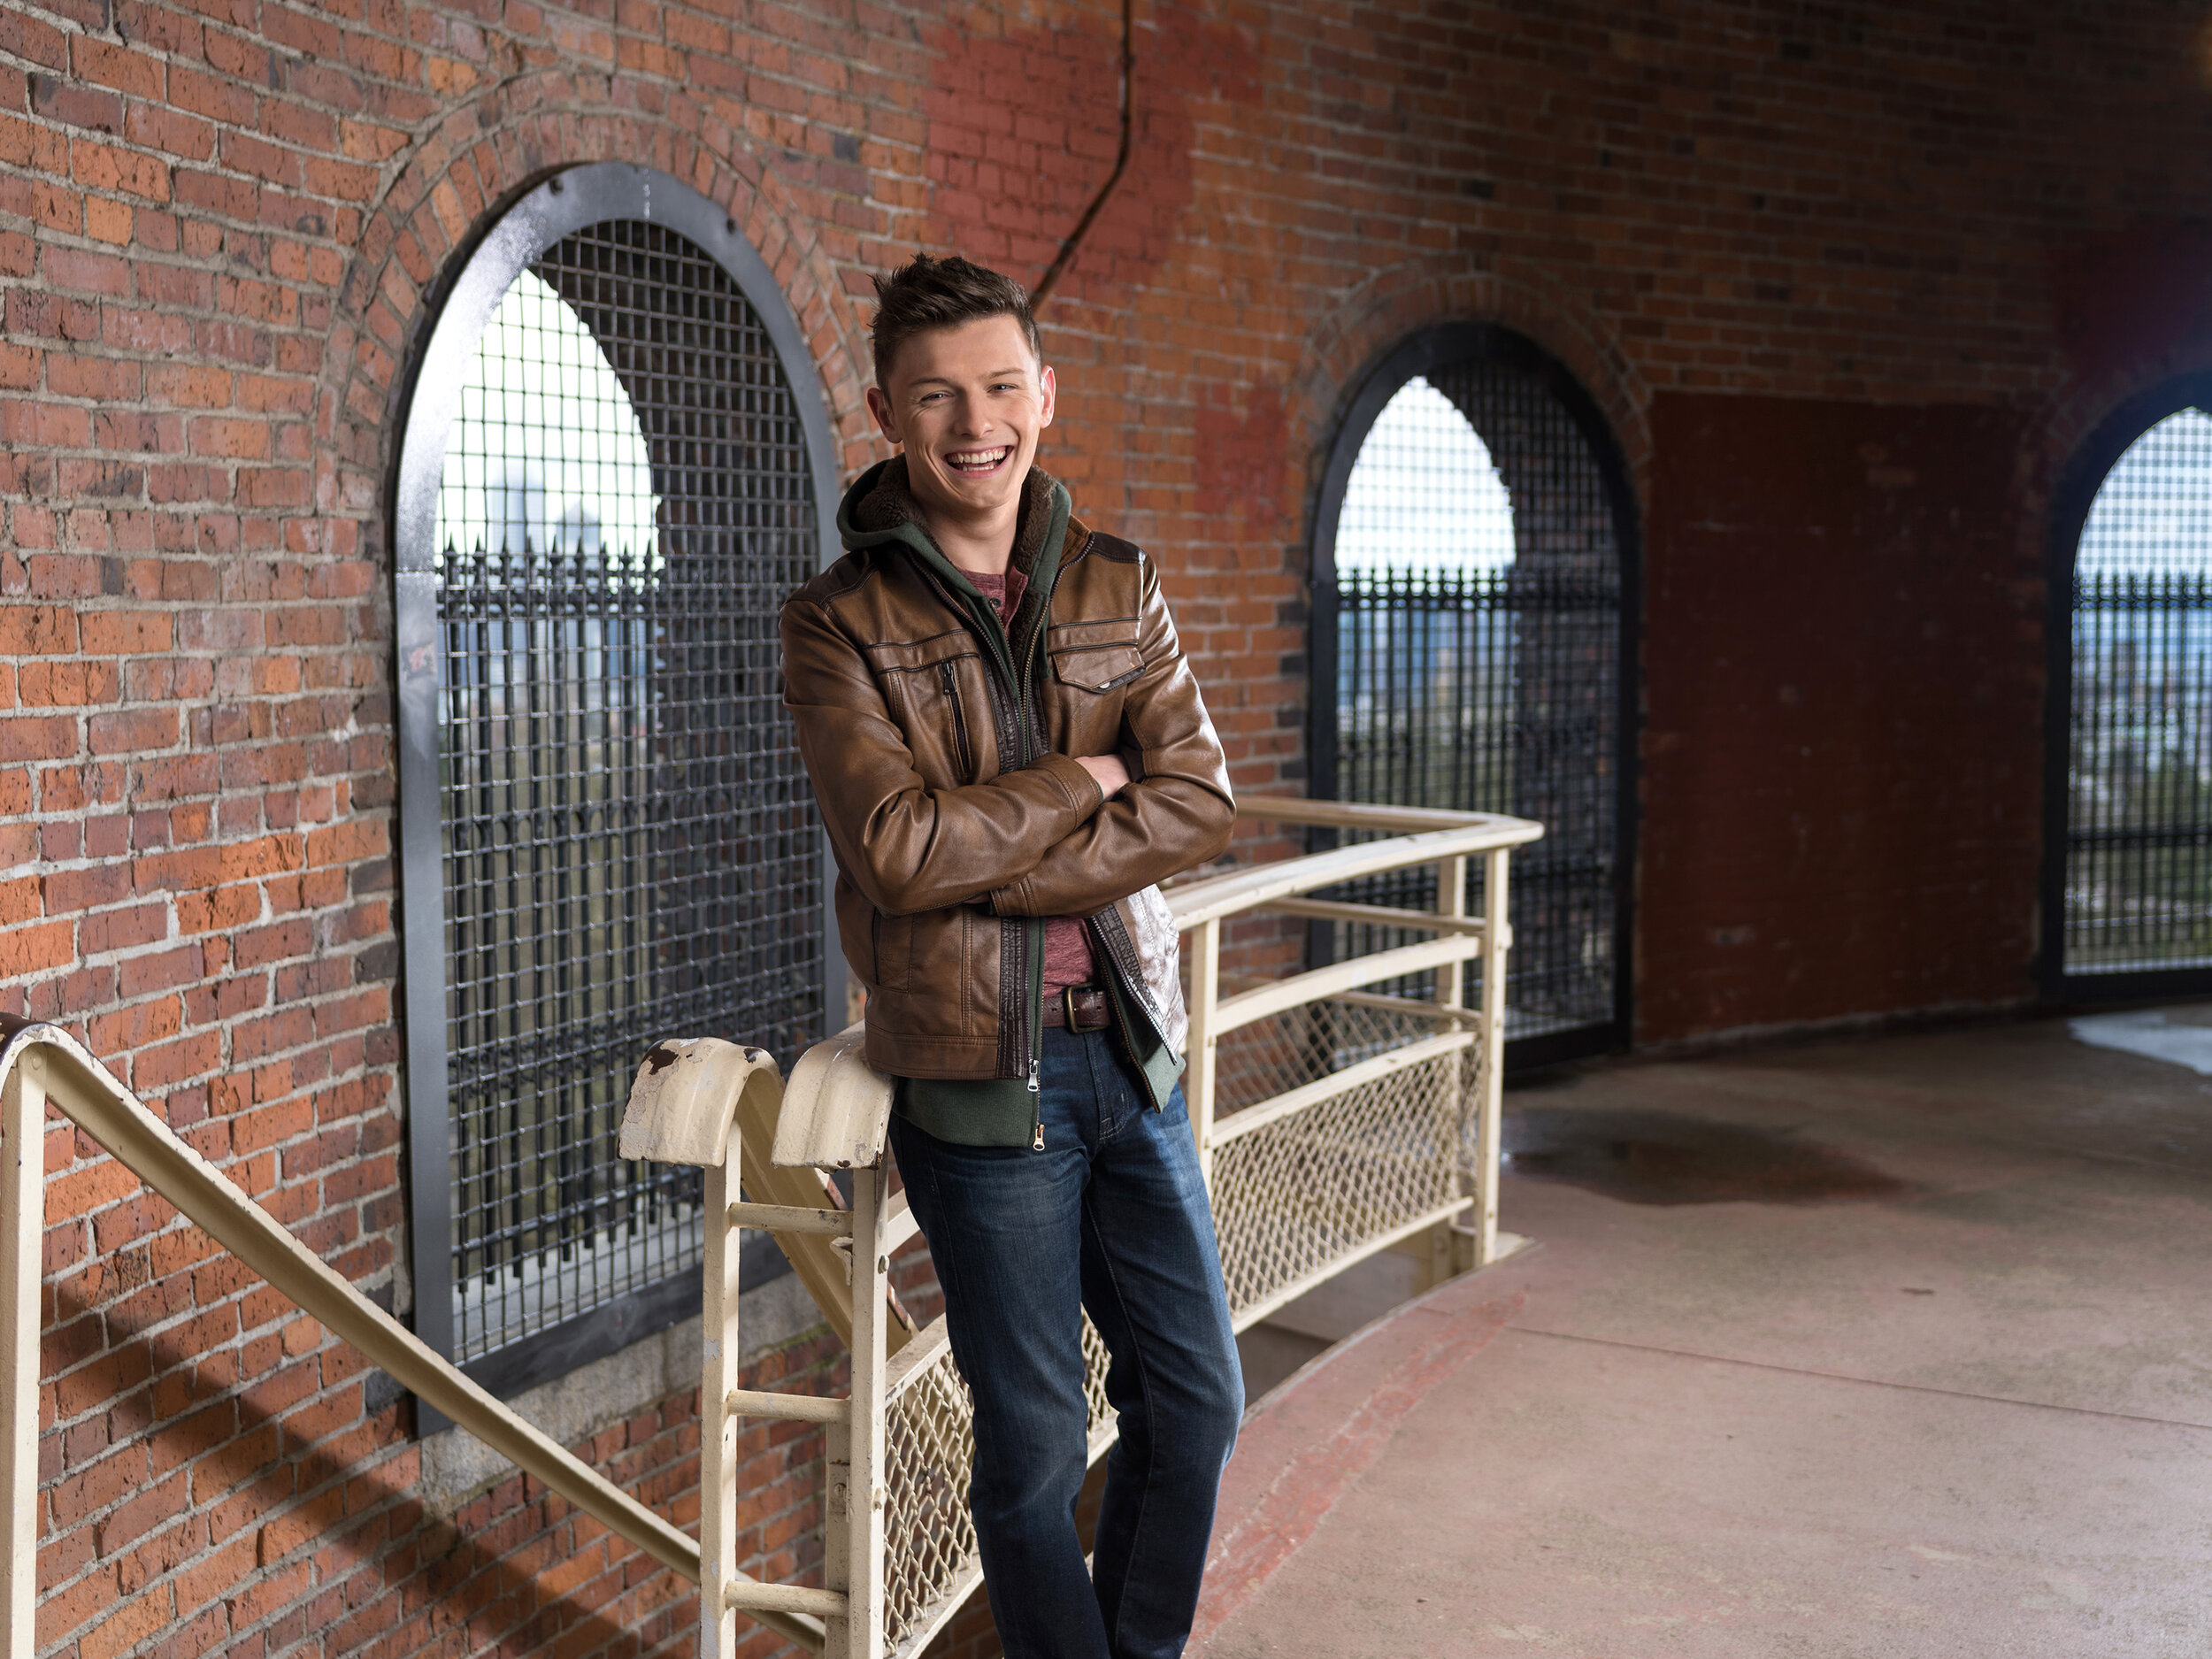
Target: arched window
{"type": "Point", "coordinates": [2134, 908]}
{"type": "Point", "coordinates": [1469, 646]}
{"type": "Point", "coordinates": [609, 478]}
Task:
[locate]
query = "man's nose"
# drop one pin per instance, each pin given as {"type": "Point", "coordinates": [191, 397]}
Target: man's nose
{"type": "Point", "coordinates": [972, 419]}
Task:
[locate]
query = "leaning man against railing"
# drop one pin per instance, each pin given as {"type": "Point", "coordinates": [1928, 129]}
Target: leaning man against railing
{"type": "Point", "coordinates": [1010, 752]}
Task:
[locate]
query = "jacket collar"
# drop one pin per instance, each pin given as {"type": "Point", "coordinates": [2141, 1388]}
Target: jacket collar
{"type": "Point", "coordinates": [880, 511]}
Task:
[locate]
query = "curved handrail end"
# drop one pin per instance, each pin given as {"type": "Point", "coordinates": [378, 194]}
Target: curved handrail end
{"type": "Point", "coordinates": [684, 1098]}
{"type": "Point", "coordinates": [836, 1108]}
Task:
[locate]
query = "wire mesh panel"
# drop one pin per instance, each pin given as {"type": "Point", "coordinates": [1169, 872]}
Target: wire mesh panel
{"type": "Point", "coordinates": [1302, 1045]}
{"type": "Point", "coordinates": [629, 845]}
{"type": "Point", "coordinates": [928, 1531]}
{"type": "Point", "coordinates": [2139, 853]}
{"type": "Point", "coordinates": [1478, 640]}
{"type": "Point", "coordinates": [1298, 1195]}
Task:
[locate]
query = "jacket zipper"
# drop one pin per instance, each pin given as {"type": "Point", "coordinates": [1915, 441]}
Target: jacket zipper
{"type": "Point", "coordinates": [1033, 932]}
{"type": "Point", "coordinates": [950, 679]}
{"type": "Point", "coordinates": [1034, 925]}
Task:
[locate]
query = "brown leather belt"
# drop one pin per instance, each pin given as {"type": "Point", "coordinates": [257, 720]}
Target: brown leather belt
{"type": "Point", "coordinates": [1080, 1008]}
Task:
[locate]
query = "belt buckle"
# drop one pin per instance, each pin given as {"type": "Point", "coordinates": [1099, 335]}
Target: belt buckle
{"type": "Point", "coordinates": [1067, 1006]}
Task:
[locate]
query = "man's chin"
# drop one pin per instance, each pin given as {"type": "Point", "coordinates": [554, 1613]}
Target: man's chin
{"type": "Point", "coordinates": [971, 498]}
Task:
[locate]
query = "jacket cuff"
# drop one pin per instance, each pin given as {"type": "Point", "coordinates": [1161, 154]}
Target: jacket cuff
{"type": "Point", "coordinates": [1075, 782]}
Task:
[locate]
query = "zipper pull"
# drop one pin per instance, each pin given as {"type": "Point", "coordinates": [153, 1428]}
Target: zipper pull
{"type": "Point", "coordinates": [1032, 1077]}
{"type": "Point", "coordinates": [1037, 1145]}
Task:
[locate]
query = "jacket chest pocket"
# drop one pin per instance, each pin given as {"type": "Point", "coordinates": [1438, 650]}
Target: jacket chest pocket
{"type": "Point", "coordinates": [1094, 657]}
{"type": "Point", "coordinates": [1091, 664]}
{"type": "Point", "coordinates": [937, 692]}
{"type": "Point", "coordinates": [1096, 668]}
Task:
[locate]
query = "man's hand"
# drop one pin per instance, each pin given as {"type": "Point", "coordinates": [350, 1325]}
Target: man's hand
{"type": "Point", "coordinates": [1107, 772]}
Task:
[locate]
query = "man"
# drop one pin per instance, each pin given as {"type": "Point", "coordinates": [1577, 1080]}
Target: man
{"type": "Point", "coordinates": [1010, 751]}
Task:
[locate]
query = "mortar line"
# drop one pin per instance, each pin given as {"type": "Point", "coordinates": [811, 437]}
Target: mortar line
{"type": "Point", "coordinates": [1866, 1382]}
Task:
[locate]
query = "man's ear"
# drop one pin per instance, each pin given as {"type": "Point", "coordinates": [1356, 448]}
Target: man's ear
{"type": "Point", "coordinates": [1050, 388]}
{"type": "Point", "coordinates": [887, 422]}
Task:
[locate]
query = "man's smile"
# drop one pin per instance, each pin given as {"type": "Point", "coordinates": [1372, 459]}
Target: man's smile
{"type": "Point", "coordinates": [978, 463]}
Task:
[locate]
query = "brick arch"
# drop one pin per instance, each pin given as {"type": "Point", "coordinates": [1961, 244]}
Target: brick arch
{"type": "Point", "coordinates": [483, 157]}
{"type": "Point", "coordinates": [1399, 302]}
{"type": "Point", "coordinates": [2084, 403]}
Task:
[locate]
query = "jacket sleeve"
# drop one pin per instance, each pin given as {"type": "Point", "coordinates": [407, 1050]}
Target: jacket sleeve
{"type": "Point", "coordinates": [907, 847]}
{"type": "Point", "coordinates": [1176, 813]}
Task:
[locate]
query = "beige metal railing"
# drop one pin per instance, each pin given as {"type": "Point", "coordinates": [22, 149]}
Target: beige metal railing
{"type": "Point", "coordinates": [1378, 1108]}
{"type": "Point", "coordinates": [1372, 1116]}
{"type": "Point", "coordinates": [42, 1065]}
{"type": "Point", "coordinates": [1364, 1117]}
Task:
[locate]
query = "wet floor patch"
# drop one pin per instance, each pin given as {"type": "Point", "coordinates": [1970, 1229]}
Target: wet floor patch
{"type": "Point", "coordinates": [1650, 1157]}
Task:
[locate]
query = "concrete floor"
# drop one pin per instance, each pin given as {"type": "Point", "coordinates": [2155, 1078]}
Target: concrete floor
{"type": "Point", "coordinates": [1895, 1346]}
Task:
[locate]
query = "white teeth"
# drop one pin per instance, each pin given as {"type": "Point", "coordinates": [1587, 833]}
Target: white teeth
{"type": "Point", "coordinates": [978, 460]}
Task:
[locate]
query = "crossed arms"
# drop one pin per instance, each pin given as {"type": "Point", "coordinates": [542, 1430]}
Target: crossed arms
{"type": "Point", "coordinates": [1049, 839]}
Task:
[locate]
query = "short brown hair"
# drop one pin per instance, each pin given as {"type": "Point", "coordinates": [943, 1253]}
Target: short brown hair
{"type": "Point", "coordinates": [942, 293]}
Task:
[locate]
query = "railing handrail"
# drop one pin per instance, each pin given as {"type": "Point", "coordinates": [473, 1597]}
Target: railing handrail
{"type": "Point", "coordinates": [1421, 838]}
{"type": "Point", "coordinates": [43, 1065]}
{"type": "Point", "coordinates": [1367, 814]}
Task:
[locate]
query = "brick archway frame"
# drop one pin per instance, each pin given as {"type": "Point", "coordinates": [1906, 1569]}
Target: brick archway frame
{"type": "Point", "coordinates": [480, 159]}
{"type": "Point", "coordinates": [2083, 403]}
{"type": "Point", "coordinates": [1397, 303]}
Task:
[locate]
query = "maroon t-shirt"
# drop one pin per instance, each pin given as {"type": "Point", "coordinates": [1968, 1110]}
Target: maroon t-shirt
{"type": "Point", "coordinates": [1067, 943]}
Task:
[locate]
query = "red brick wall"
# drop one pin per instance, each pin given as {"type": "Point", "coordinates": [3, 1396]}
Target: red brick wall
{"type": "Point", "coordinates": [1771, 239]}
{"type": "Point", "coordinates": [1842, 812]}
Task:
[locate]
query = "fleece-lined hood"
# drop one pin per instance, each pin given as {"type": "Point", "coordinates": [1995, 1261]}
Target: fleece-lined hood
{"type": "Point", "coordinates": [879, 510]}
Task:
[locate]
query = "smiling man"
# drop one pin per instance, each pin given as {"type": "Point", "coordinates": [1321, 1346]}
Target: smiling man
{"type": "Point", "coordinates": [1010, 752]}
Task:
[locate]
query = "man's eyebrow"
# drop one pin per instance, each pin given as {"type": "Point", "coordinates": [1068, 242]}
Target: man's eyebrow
{"type": "Point", "coordinates": [946, 379]}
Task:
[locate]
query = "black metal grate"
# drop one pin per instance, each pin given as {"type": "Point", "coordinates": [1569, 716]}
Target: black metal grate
{"type": "Point", "coordinates": [630, 848]}
{"type": "Point", "coordinates": [1480, 670]}
{"type": "Point", "coordinates": [2139, 863]}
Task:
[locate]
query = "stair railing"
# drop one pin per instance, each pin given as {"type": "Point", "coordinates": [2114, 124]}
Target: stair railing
{"type": "Point", "coordinates": [899, 1547]}
{"type": "Point", "coordinates": [42, 1065]}
{"type": "Point", "coordinates": [1384, 1144]}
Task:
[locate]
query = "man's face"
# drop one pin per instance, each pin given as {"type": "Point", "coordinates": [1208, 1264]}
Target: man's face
{"type": "Point", "coordinates": [969, 404]}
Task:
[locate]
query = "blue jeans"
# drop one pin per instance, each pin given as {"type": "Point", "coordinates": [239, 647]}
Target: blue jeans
{"type": "Point", "coordinates": [1111, 1217]}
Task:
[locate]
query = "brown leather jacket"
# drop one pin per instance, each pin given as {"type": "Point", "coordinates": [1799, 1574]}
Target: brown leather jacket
{"type": "Point", "coordinates": [939, 747]}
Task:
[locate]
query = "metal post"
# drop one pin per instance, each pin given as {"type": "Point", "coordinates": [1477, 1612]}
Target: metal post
{"type": "Point", "coordinates": [718, 1443]}
{"type": "Point", "coordinates": [22, 1220]}
{"type": "Point", "coordinates": [1451, 900]}
{"type": "Point", "coordinates": [1447, 1253]}
{"type": "Point", "coordinates": [837, 1515]}
{"type": "Point", "coordinates": [1198, 1086]}
{"type": "Point", "coordinates": [867, 1491]}
{"type": "Point", "coordinates": [1490, 1056]}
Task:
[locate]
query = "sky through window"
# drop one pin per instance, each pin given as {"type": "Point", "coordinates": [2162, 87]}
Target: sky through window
{"type": "Point", "coordinates": [1425, 495]}
{"type": "Point", "coordinates": [546, 445]}
{"type": "Point", "coordinates": [2152, 514]}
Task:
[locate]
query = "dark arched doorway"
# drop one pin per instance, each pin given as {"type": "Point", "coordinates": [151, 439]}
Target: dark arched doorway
{"type": "Point", "coordinates": [2128, 878]}
{"type": "Point", "coordinates": [1474, 564]}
